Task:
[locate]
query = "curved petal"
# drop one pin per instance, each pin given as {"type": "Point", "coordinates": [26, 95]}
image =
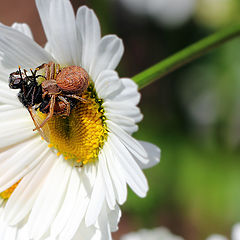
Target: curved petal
{"type": "Point", "coordinates": [77, 214]}
{"type": "Point", "coordinates": [21, 201]}
{"type": "Point", "coordinates": [17, 161]}
{"type": "Point", "coordinates": [50, 199]}
{"type": "Point", "coordinates": [154, 154]}
{"type": "Point", "coordinates": [110, 195]}
{"type": "Point", "coordinates": [126, 123]}
{"type": "Point", "coordinates": [108, 84]}
{"type": "Point", "coordinates": [132, 144]}
{"type": "Point", "coordinates": [108, 55]}
{"type": "Point", "coordinates": [23, 28]}
{"type": "Point", "coordinates": [89, 34]}
{"type": "Point", "coordinates": [123, 108]}
{"type": "Point", "coordinates": [60, 27]}
{"type": "Point", "coordinates": [132, 172]}
{"type": "Point", "coordinates": [17, 128]}
{"type": "Point", "coordinates": [130, 92]}
{"type": "Point", "coordinates": [96, 200]}
{"type": "Point", "coordinates": [18, 49]}
{"type": "Point", "coordinates": [119, 183]}
{"type": "Point", "coordinates": [7, 95]}
{"type": "Point", "coordinates": [64, 214]}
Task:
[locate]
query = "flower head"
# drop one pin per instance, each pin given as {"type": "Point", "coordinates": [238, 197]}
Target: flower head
{"type": "Point", "coordinates": [160, 233]}
{"type": "Point", "coordinates": [69, 176]}
{"type": "Point", "coordinates": [234, 236]}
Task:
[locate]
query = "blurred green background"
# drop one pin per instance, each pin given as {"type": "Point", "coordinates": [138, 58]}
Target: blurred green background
{"type": "Point", "coordinates": [192, 114]}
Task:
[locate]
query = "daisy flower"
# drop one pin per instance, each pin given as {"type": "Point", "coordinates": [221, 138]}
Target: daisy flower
{"type": "Point", "coordinates": [66, 180]}
{"type": "Point", "coordinates": [234, 236]}
{"type": "Point", "coordinates": [160, 233]}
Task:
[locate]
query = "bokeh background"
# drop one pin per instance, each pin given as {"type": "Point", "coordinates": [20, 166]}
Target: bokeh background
{"type": "Point", "coordinates": [192, 114]}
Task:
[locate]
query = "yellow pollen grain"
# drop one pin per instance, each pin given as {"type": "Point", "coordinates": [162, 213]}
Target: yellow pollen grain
{"type": "Point", "coordinates": [80, 136]}
{"type": "Point", "coordinates": [7, 193]}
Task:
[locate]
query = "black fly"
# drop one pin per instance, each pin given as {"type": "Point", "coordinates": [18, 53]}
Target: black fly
{"type": "Point", "coordinates": [30, 92]}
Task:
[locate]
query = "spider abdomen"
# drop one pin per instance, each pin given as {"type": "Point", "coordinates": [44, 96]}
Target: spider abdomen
{"type": "Point", "coordinates": [73, 79]}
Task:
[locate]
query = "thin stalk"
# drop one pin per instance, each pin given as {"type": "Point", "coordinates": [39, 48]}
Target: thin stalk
{"type": "Point", "coordinates": [185, 56]}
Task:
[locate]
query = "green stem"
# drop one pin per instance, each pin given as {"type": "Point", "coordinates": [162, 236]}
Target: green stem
{"type": "Point", "coordinates": [186, 55]}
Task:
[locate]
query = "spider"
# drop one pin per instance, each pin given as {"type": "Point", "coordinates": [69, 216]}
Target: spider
{"type": "Point", "coordinates": [60, 88]}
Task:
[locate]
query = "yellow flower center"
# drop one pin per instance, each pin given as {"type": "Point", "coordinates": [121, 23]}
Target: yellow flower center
{"type": "Point", "coordinates": [80, 136]}
{"type": "Point", "coordinates": [7, 193]}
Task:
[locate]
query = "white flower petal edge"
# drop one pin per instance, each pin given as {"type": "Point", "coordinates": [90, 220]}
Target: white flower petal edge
{"type": "Point", "coordinates": [54, 200]}
{"type": "Point", "coordinates": [24, 28]}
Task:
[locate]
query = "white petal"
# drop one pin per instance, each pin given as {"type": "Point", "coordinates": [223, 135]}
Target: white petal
{"type": "Point", "coordinates": [23, 28]}
{"type": "Point", "coordinates": [216, 237]}
{"type": "Point", "coordinates": [108, 84]}
{"type": "Point", "coordinates": [77, 215]}
{"type": "Point", "coordinates": [118, 180]}
{"type": "Point", "coordinates": [97, 199]}
{"type": "Point", "coordinates": [17, 161]}
{"type": "Point", "coordinates": [126, 123]}
{"type": "Point", "coordinates": [132, 144]}
{"type": "Point", "coordinates": [11, 114]}
{"type": "Point", "coordinates": [18, 49]}
{"type": "Point", "coordinates": [110, 196]}
{"type": "Point", "coordinates": [64, 214]}
{"type": "Point", "coordinates": [6, 108]}
{"type": "Point", "coordinates": [123, 108]}
{"type": "Point", "coordinates": [107, 56]}
{"type": "Point", "coordinates": [7, 232]}
{"type": "Point", "coordinates": [21, 201]}
{"type": "Point", "coordinates": [7, 95]}
{"type": "Point", "coordinates": [132, 172]}
{"type": "Point", "coordinates": [84, 233]}
{"type": "Point", "coordinates": [130, 92]}
{"type": "Point", "coordinates": [88, 29]}
{"type": "Point", "coordinates": [236, 232]}
{"type": "Point", "coordinates": [60, 27]}
{"type": "Point", "coordinates": [50, 199]}
{"type": "Point", "coordinates": [15, 130]}
{"type": "Point", "coordinates": [154, 154]}
{"type": "Point", "coordinates": [104, 224]}
{"type": "Point", "coordinates": [114, 218]}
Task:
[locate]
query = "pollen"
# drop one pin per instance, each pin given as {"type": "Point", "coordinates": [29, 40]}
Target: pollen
{"type": "Point", "coordinates": [80, 136]}
{"type": "Point", "coordinates": [7, 193]}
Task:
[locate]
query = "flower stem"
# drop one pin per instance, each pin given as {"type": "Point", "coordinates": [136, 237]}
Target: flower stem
{"type": "Point", "coordinates": [184, 56]}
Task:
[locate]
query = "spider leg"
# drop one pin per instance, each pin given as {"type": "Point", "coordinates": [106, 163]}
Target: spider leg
{"type": "Point", "coordinates": [41, 66]}
{"type": "Point", "coordinates": [46, 71]}
{"type": "Point", "coordinates": [67, 103]}
{"type": "Point", "coordinates": [31, 114]}
{"type": "Point", "coordinates": [77, 97]}
{"type": "Point", "coordinates": [51, 111]}
{"type": "Point", "coordinates": [44, 94]}
{"type": "Point", "coordinates": [52, 70]}
{"type": "Point", "coordinates": [57, 69]}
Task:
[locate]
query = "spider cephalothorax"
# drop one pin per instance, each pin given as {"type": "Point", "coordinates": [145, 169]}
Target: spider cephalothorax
{"type": "Point", "coordinates": [61, 89]}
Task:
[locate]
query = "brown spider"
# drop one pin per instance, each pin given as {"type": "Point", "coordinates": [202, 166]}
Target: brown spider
{"type": "Point", "coordinates": [59, 86]}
